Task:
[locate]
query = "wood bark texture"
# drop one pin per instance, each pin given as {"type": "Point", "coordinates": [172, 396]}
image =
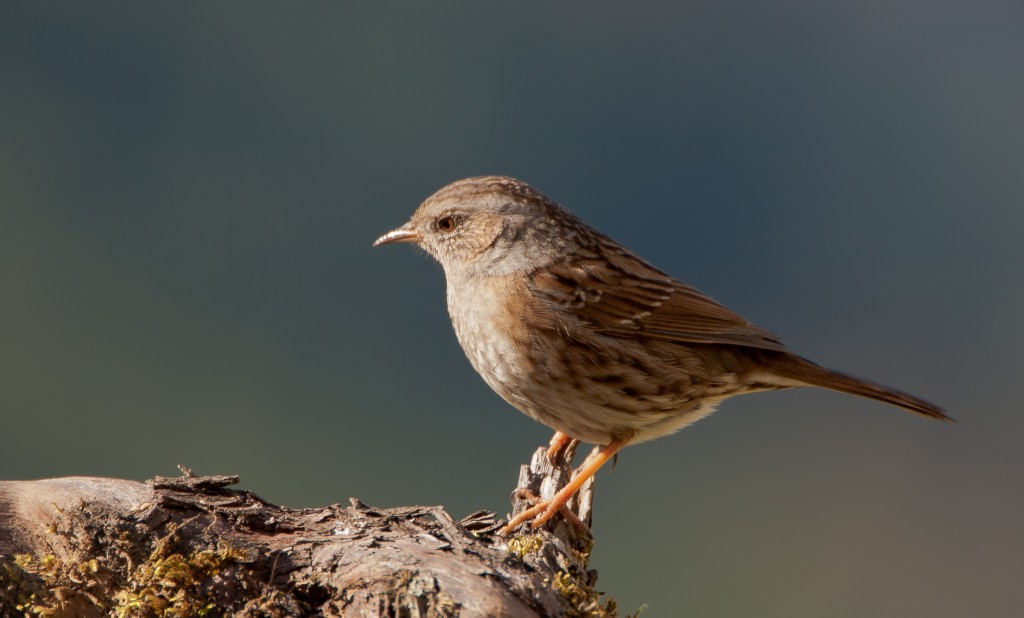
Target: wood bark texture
{"type": "Point", "coordinates": [191, 546]}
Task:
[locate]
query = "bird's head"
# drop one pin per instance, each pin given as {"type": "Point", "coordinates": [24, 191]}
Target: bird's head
{"type": "Point", "coordinates": [489, 225]}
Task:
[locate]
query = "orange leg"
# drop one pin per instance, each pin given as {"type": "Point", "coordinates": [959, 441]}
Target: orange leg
{"type": "Point", "coordinates": [558, 443]}
{"type": "Point", "coordinates": [545, 510]}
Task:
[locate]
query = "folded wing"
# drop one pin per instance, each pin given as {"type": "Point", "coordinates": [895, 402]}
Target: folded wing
{"type": "Point", "coordinates": [619, 294]}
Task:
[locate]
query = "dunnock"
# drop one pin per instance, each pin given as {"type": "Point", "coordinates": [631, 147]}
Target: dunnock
{"type": "Point", "coordinates": [582, 335]}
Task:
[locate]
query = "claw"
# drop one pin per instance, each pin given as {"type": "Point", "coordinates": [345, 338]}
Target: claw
{"type": "Point", "coordinates": [543, 511]}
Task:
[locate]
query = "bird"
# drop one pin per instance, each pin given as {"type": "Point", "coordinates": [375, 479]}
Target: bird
{"type": "Point", "coordinates": [584, 336]}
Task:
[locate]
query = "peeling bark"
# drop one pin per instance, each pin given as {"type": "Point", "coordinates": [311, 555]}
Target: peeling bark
{"type": "Point", "coordinates": [190, 545]}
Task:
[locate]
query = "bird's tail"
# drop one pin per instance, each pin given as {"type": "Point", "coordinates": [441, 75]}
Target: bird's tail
{"type": "Point", "coordinates": [815, 375]}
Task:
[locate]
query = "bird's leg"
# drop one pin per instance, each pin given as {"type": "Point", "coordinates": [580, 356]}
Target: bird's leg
{"type": "Point", "coordinates": [543, 511]}
{"type": "Point", "coordinates": [566, 512]}
{"type": "Point", "coordinates": [558, 443]}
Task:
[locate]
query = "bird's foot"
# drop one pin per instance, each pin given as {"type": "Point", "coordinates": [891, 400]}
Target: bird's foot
{"type": "Point", "coordinates": [541, 512]}
{"type": "Point", "coordinates": [544, 510]}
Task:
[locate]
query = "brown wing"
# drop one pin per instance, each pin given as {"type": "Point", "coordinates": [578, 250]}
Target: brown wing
{"type": "Point", "coordinates": [619, 294]}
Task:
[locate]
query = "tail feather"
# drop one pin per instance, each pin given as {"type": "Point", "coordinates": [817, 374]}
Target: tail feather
{"type": "Point", "coordinates": [816, 375]}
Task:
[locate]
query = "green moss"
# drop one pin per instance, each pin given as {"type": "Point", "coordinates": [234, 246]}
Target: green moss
{"type": "Point", "coordinates": [175, 579]}
{"type": "Point", "coordinates": [584, 600]}
{"type": "Point", "coordinates": [525, 544]}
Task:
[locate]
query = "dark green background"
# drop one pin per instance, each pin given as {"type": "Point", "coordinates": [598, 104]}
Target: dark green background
{"type": "Point", "coordinates": [188, 193]}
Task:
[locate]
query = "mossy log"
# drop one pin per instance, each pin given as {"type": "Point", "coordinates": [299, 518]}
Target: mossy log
{"type": "Point", "coordinates": [191, 546]}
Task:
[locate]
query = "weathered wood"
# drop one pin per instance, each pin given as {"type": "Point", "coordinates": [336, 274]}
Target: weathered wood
{"type": "Point", "coordinates": [190, 545]}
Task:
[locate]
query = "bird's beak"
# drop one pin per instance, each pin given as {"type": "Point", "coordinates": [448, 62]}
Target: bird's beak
{"type": "Point", "coordinates": [406, 233]}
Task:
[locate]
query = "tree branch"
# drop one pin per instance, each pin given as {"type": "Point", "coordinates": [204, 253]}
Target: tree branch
{"type": "Point", "coordinates": [190, 545]}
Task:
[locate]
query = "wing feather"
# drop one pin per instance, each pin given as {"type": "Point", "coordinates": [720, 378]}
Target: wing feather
{"type": "Point", "coordinates": [619, 294]}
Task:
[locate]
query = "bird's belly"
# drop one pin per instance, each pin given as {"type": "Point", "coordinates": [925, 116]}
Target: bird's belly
{"type": "Point", "coordinates": [586, 390]}
{"type": "Point", "coordinates": [596, 412]}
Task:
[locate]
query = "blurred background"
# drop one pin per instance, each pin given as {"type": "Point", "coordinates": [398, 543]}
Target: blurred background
{"type": "Point", "coordinates": [188, 193]}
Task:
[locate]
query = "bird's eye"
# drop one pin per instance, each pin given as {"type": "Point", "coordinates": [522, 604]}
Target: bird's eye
{"type": "Point", "coordinates": [446, 224]}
